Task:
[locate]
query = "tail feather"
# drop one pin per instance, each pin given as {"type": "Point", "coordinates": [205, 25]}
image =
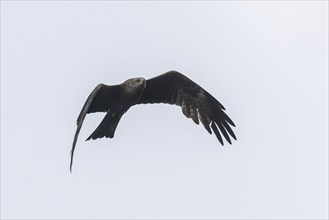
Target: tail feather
{"type": "Point", "coordinates": [107, 127]}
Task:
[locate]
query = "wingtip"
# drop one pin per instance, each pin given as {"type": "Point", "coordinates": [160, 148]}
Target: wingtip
{"type": "Point", "coordinates": [71, 163]}
{"type": "Point", "coordinates": [71, 157]}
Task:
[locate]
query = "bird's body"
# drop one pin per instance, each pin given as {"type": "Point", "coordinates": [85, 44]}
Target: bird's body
{"type": "Point", "coordinates": [171, 88]}
{"type": "Point", "coordinates": [129, 92]}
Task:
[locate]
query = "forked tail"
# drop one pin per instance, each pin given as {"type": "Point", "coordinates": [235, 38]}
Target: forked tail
{"type": "Point", "coordinates": [107, 127]}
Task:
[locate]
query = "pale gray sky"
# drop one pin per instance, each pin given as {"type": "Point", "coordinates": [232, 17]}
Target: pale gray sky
{"type": "Point", "coordinates": [267, 62]}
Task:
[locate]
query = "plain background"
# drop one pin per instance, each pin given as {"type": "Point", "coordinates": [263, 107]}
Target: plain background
{"type": "Point", "coordinates": [267, 62]}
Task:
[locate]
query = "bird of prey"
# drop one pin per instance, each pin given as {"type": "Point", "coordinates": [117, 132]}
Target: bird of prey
{"type": "Point", "coordinates": [171, 87]}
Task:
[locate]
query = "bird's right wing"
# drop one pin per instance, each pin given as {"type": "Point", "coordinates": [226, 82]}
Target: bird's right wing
{"type": "Point", "coordinates": [196, 103]}
{"type": "Point", "coordinates": [101, 99]}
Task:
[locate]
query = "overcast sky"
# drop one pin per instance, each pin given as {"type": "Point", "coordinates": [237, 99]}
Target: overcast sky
{"type": "Point", "coordinates": [266, 62]}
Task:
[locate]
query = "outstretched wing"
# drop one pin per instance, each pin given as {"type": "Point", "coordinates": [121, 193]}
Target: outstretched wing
{"type": "Point", "coordinates": [101, 99]}
{"type": "Point", "coordinates": [196, 103]}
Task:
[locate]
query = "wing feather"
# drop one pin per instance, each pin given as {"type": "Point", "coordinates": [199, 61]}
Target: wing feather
{"type": "Point", "coordinates": [229, 129]}
{"type": "Point", "coordinates": [221, 128]}
{"type": "Point", "coordinates": [196, 103]}
{"type": "Point", "coordinates": [204, 119]}
{"type": "Point", "coordinates": [194, 115]}
{"type": "Point", "coordinates": [215, 129]}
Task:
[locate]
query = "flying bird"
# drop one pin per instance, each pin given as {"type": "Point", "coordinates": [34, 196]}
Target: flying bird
{"type": "Point", "coordinates": [171, 87]}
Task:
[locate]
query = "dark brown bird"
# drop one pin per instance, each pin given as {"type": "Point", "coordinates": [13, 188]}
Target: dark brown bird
{"type": "Point", "coordinates": [171, 88]}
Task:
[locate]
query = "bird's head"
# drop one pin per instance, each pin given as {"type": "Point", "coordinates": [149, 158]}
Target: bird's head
{"type": "Point", "coordinates": [134, 85]}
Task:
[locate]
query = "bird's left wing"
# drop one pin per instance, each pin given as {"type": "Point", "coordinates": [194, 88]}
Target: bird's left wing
{"type": "Point", "coordinates": [196, 103]}
{"type": "Point", "coordinates": [101, 99]}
